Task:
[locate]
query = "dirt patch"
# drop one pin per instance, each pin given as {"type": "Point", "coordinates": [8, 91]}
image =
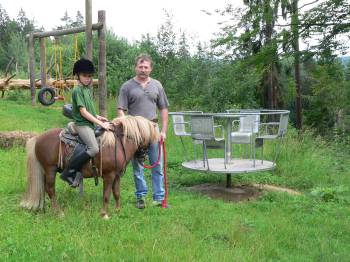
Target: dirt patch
{"type": "Point", "coordinates": [233, 194]}
{"type": "Point", "coordinates": [276, 189]}
{"type": "Point", "coordinates": [10, 139]}
{"type": "Point", "coordinates": [237, 193]}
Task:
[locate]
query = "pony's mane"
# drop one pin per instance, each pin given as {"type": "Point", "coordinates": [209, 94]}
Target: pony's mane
{"type": "Point", "coordinates": [138, 129]}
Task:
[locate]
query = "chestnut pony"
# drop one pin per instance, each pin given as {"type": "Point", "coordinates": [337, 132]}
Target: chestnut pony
{"type": "Point", "coordinates": [118, 147]}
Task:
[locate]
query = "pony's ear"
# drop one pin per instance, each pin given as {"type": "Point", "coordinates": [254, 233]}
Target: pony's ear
{"type": "Point", "coordinates": [118, 121]}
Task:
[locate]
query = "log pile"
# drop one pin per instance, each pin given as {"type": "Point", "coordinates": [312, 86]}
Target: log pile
{"type": "Point", "coordinates": [14, 138]}
{"type": "Point", "coordinates": [8, 84]}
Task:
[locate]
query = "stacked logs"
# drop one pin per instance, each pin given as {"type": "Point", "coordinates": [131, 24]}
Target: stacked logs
{"type": "Point", "coordinates": [8, 83]}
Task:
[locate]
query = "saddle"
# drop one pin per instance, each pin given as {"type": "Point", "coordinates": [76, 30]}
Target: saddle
{"type": "Point", "coordinates": [72, 130]}
{"type": "Point", "coordinates": [74, 145]}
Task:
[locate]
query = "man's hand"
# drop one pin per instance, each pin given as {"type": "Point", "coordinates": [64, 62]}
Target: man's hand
{"type": "Point", "coordinates": [163, 135]}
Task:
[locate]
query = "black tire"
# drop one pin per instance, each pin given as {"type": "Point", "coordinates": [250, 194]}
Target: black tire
{"type": "Point", "coordinates": [46, 96]}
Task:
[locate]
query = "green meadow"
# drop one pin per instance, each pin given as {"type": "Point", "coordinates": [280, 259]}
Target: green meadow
{"type": "Point", "coordinates": [313, 226]}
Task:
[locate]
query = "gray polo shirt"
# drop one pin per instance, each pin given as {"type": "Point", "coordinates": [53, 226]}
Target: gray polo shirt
{"type": "Point", "coordinates": [141, 101]}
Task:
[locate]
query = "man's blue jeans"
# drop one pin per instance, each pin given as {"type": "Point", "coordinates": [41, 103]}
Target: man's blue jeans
{"type": "Point", "coordinates": [157, 175]}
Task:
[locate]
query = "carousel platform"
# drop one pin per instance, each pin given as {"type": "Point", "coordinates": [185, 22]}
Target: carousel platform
{"type": "Point", "coordinates": [234, 166]}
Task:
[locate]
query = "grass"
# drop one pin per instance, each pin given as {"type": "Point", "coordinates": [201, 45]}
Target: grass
{"type": "Point", "coordinates": [278, 227]}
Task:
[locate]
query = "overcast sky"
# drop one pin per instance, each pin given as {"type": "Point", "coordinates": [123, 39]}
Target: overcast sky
{"type": "Point", "coordinates": [131, 18]}
{"type": "Point", "coordinates": [127, 18]}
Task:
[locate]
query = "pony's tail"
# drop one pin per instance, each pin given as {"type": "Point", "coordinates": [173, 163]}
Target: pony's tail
{"type": "Point", "coordinates": [35, 193]}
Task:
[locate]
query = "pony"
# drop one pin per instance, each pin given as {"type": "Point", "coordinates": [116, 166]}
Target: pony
{"type": "Point", "coordinates": [44, 158]}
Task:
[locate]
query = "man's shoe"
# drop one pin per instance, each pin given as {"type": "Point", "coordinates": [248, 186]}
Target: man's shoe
{"type": "Point", "coordinates": [156, 203]}
{"type": "Point", "coordinates": [140, 203]}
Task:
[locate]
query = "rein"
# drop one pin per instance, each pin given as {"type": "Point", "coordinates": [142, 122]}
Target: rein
{"type": "Point", "coordinates": [161, 144]}
{"type": "Point", "coordinates": [116, 137]}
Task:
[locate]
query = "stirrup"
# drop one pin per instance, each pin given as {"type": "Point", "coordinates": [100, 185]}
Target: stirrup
{"type": "Point", "coordinates": [67, 178]}
{"type": "Point", "coordinates": [77, 180]}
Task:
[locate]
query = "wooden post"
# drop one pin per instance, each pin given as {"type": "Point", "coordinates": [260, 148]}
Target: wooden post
{"type": "Point", "coordinates": [295, 44]}
{"type": "Point", "coordinates": [43, 62]}
{"type": "Point", "coordinates": [102, 68]}
{"type": "Point", "coordinates": [31, 67]}
{"type": "Point", "coordinates": [88, 29]}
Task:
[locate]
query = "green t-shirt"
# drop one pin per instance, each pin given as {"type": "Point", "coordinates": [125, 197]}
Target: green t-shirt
{"type": "Point", "coordinates": [81, 97]}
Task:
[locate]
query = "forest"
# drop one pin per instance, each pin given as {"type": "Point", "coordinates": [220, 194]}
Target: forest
{"type": "Point", "coordinates": [254, 61]}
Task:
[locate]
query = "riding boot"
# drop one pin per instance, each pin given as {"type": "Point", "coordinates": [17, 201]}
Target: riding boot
{"type": "Point", "coordinates": [74, 166]}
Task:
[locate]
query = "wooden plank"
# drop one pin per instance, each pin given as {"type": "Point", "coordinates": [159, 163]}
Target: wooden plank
{"type": "Point", "coordinates": [88, 28]}
{"type": "Point", "coordinates": [69, 31]}
{"type": "Point", "coordinates": [102, 68]}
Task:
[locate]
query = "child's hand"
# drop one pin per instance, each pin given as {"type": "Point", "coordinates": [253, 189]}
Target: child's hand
{"type": "Point", "coordinates": [101, 118]}
{"type": "Point", "coordinates": [105, 125]}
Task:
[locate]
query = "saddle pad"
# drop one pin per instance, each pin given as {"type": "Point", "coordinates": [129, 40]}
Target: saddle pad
{"type": "Point", "coordinates": [67, 138]}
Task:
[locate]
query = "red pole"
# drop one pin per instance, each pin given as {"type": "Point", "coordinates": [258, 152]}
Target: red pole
{"type": "Point", "coordinates": [164, 202]}
{"type": "Point", "coordinates": [162, 144]}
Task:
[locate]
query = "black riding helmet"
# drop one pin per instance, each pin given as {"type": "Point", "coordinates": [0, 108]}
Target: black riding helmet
{"type": "Point", "coordinates": [83, 66]}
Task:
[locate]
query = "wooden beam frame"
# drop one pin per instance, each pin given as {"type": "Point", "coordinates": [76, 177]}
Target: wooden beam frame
{"type": "Point", "coordinates": [69, 31]}
{"type": "Point", "coordinates": [43, 61]}
{"type": "Point", "coordinates": [88, 28]}
{"type": "Point", "coordinates": [31, 67]}
{"type": "Point", "coordinates": [102, 67]}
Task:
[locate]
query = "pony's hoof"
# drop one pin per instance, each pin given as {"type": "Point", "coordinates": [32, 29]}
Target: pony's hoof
{"type": "Point", "coordinates": [105, 217]}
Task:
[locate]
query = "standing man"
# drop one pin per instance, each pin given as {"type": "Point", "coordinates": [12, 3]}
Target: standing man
{"type": "Point", "coordinates": [141, 96]}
